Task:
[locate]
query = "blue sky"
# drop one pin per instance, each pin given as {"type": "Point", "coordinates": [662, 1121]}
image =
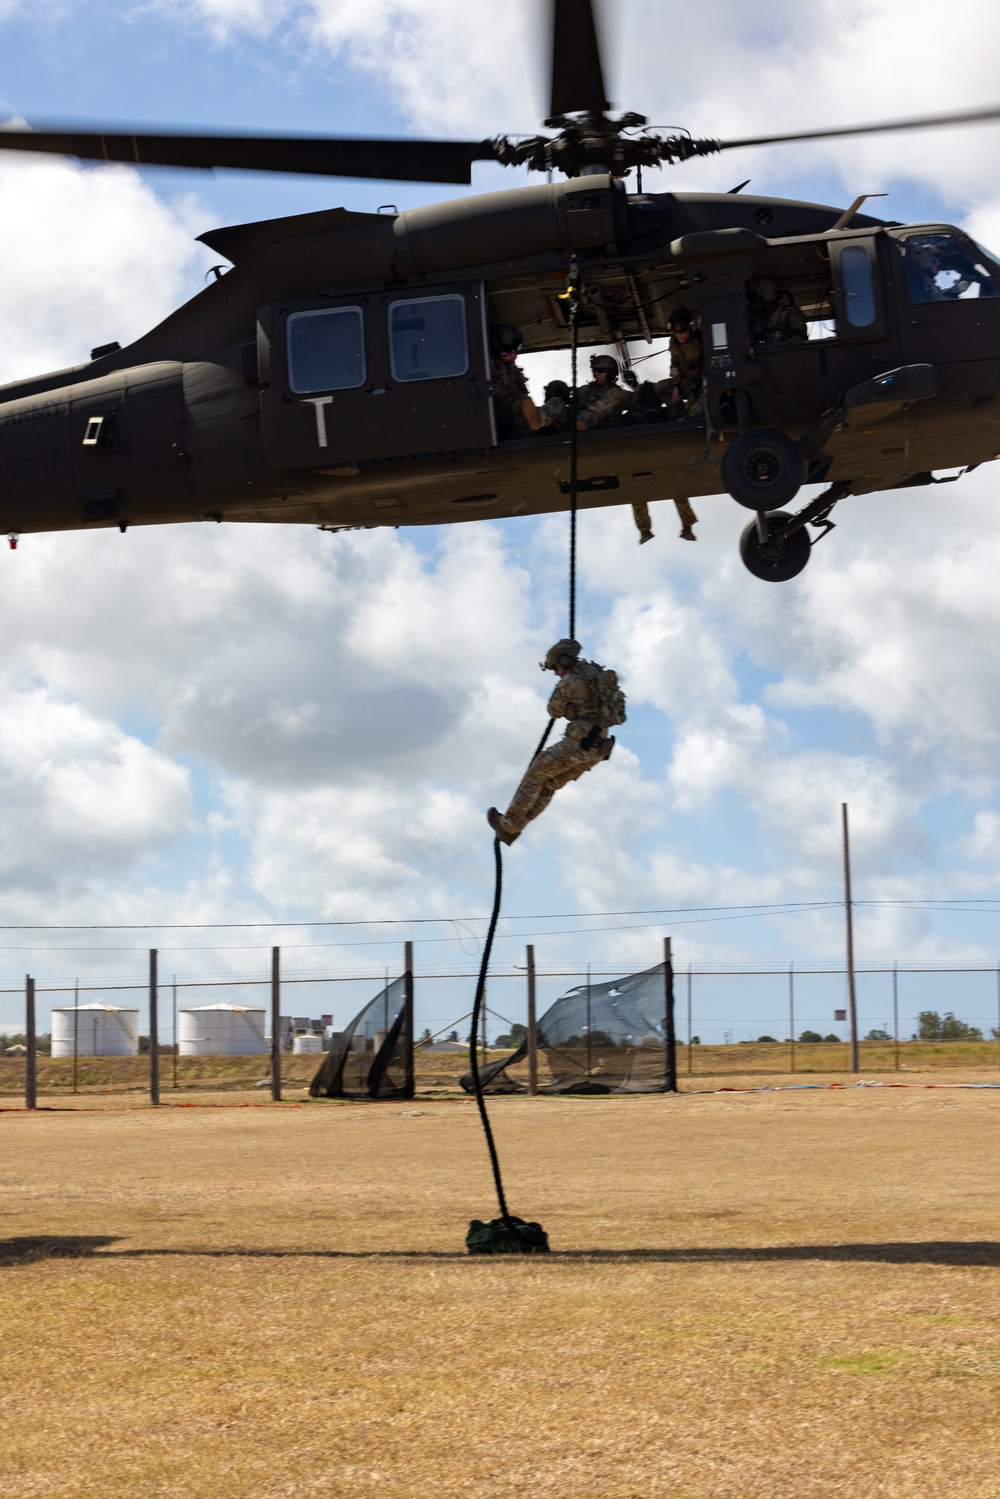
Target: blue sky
{"type": "Point", "coordinates": [178, 732]}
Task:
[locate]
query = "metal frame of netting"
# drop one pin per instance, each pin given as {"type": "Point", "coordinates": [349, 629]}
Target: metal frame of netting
{"type": "Point", "coordinates": [598, 1038]}
{"type": "Point", "coordinates": [383, 1067]}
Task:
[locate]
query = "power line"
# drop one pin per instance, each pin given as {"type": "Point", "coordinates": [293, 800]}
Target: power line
{"type": "Point", "coordinates": [186, 926]}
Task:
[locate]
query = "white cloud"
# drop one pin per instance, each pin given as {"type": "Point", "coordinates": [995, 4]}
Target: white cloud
{"type": "Point", "coordinates": [81, 799]}
{"type": "Point", "coordinates": [96, 257]}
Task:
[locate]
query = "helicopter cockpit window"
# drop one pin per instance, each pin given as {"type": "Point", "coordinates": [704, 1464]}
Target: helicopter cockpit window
{"type": "Point", "coordinates": [427, 338]}
{"type": "Point", "coordinates": [940, 268]}
{"type": "Point", "coordinates": [326, 350]}
{"type": "Point", "coordinates": [859, 287]}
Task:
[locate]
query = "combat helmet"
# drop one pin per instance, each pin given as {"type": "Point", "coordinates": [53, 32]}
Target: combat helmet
{"type": "Point", "coordinates": [563, 653]}
{"type": "Point", "coordinates": [604, 362]}
{"type": "Point", "coordinates": [505, 338]}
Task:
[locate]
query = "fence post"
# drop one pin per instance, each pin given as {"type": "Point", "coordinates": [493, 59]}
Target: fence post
{"type": "Point", "coordinates": [532, 1023]}
{"type": "Point", "coordinates": [31, 1047]}
{"type": "Point", "coordinates": [410, 1085]}
{"type": "Point", "coordinates": [76, 1031]}
{"type": "Point", "coordinates": [589, 1046]}
{"type": "Point", "coordinates": [276, 1024]}
{"type": "Point", "coordinates": [895, 1008]}
{"type": "Point", "coordinates": [791, 1012]}
{"type": "Point", "coordinates": [690, 1042]}
{"type": "Point", "coordinates": [154, 1030]}
{"type": "Point", "coordinates": [668, 986]}
{"type": "Point", "coordinates": [849, 920]}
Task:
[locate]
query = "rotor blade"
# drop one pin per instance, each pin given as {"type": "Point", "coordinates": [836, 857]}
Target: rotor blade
{"type": "Point", "coordinates": [577, 76]}
{"type": "Point", "coordinates": [395, 160]}
{"type": "Point", "coordinates": [921, 122]}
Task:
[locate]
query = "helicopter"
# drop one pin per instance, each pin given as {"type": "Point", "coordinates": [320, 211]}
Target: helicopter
{"type": "Point", "coordinates": [339, 372]}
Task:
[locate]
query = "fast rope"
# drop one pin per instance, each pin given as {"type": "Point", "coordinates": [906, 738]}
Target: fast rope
{"type": "Point", "coordinates": [507, 1234]}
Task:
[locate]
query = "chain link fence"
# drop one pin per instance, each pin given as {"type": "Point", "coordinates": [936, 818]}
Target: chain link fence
{"type": "Point", "coordinates": [215, 1035]}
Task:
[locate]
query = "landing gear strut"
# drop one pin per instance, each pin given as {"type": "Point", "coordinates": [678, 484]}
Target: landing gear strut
{"type": "Point", "coordinates": [775, 546]}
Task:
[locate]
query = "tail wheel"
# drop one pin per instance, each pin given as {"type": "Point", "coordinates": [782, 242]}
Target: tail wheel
{"type": "Point", "coordinates": [775, 562]}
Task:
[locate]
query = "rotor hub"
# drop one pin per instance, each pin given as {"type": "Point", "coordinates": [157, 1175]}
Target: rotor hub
{"type": "Point", "coordinates": [594, 142]}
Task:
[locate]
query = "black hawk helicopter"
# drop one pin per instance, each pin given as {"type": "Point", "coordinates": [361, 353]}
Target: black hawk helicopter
{"type": "Point", "coordinates": [339, 373]}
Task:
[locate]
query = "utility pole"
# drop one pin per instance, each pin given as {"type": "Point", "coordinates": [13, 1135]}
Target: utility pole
{"type": "Point", "coordinates": [276, 1024]}
{"type": "Point", "coordinates": [154, 1031]}
{"type": "Point", "coordinates": [791, 1012]}
{"type": "Point", "coordinates": [852, 1000]}
{"type": "Point", "coordinates": [532, 1023]}
{"type": "Point", "coordinates": [668, 996]}
{"type": "Point", "coordinates": [174, 1010]}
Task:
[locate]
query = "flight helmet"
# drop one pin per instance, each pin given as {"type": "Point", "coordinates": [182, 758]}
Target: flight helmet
{"type": "Point", "coordinates": [563, 653]}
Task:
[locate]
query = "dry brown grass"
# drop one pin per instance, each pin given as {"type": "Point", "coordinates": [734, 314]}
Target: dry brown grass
{"type": "Point", "coordinates": [790, 1295]}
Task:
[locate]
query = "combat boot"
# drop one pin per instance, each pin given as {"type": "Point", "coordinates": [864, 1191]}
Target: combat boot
{"type": "Point", "coordinates": [496, 822]}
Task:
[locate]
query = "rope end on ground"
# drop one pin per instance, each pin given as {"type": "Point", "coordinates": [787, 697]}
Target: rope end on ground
{"type": "Point", "coordinates": [506, 1236]}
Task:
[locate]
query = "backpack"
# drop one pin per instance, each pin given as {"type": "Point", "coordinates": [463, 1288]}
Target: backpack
{"type": "Point", "coordinates": [609, 699]}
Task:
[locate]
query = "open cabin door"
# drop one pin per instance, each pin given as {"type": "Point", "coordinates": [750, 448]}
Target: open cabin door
{"type": "Point", "coordinates": [384, 375]}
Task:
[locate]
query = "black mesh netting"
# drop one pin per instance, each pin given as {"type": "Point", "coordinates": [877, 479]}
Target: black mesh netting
{"type": "Point", "coordinates": [373, 1057]}
{"type": "Point", "coordinates": [597, 1038]}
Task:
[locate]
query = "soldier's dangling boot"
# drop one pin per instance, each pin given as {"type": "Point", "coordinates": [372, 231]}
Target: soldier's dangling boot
{"type": "Point", "coordinates": [640, 514]}
{"type": "Point", "coordinates": [687, 518]}
{"type": "Point", "coordinates": [496, 821]}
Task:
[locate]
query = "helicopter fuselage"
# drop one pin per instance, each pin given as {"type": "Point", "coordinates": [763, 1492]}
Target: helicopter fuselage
{"type": "Point", "coordinates": [339, 374]}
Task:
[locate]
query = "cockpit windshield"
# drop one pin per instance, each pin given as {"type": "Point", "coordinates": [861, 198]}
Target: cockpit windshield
{"type": "Point", "coordinates": [941, 268]}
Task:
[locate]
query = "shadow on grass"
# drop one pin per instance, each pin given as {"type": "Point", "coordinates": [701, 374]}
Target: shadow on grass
{"type": "Point", "coordinates": [28, 1250]}
{"type": "Point", "coordinates": [981, 1253]}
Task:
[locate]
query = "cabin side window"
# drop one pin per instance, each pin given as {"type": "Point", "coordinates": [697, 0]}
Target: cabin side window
{"type": "Point", "coordinates": [859, 286]}
{"type": "Point", "coordinates": [940, 268]}
{"type": "Point", "coordinates": [427, 338]}
{"type": "Point", "coordinates": [326, 350]}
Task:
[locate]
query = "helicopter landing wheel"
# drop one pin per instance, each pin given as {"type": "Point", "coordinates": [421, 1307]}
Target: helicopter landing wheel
{"type": "Point", "coordinates": [775, 562]}
{"type": "Point", "coordinates": [762, 469]}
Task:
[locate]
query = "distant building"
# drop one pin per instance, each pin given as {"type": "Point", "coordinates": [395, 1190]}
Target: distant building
{"type": "Point", "coordinates": [301, 1025]}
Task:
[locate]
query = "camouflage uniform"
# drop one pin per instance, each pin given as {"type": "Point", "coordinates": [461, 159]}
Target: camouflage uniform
{"type": "Point", "coordinates": [556, 407]}
{"type": "Point", "coordinates": [601, 405]}
{"type": "Point", "coordinates": [687, 364]}
{"type": "Point", "coordinates": [688, 519]}
{"type": "Point", "coordinates": [779, 322]}
{"type": "Point", "coordinates": [510, 391]}
{"type": "Point", "coordinates": [574, 698]}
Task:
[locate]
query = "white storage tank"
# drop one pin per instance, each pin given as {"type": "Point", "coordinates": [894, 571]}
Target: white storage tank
{"type": "Point", "coordinates": [102, 1031]}
{"type": "Point", "coordinates": [221, 1030]}
{"type": "Point", "coordinates": [303, 1045]}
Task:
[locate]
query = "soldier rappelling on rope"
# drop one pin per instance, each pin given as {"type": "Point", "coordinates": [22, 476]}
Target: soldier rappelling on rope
{"type": "Point", "coordinates": [588, 696]}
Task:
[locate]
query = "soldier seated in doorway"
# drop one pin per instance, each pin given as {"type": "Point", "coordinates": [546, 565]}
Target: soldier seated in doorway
{"type": "Point", "coordinates": [554, 413]}
{"type": "Point", "coordinates": [682, 389]}
{"type": "Point", "coordinates": [601, 403]}
{"type": "Point", "coordinates": [516, 413]}
{"type": "Point", "coordinates": [774, 316]}
{"type": "Point", "coordinates": [589, 697]}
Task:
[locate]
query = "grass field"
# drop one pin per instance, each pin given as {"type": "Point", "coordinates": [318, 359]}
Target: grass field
{"type": "Point", "coordinates": [781, 1294]}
